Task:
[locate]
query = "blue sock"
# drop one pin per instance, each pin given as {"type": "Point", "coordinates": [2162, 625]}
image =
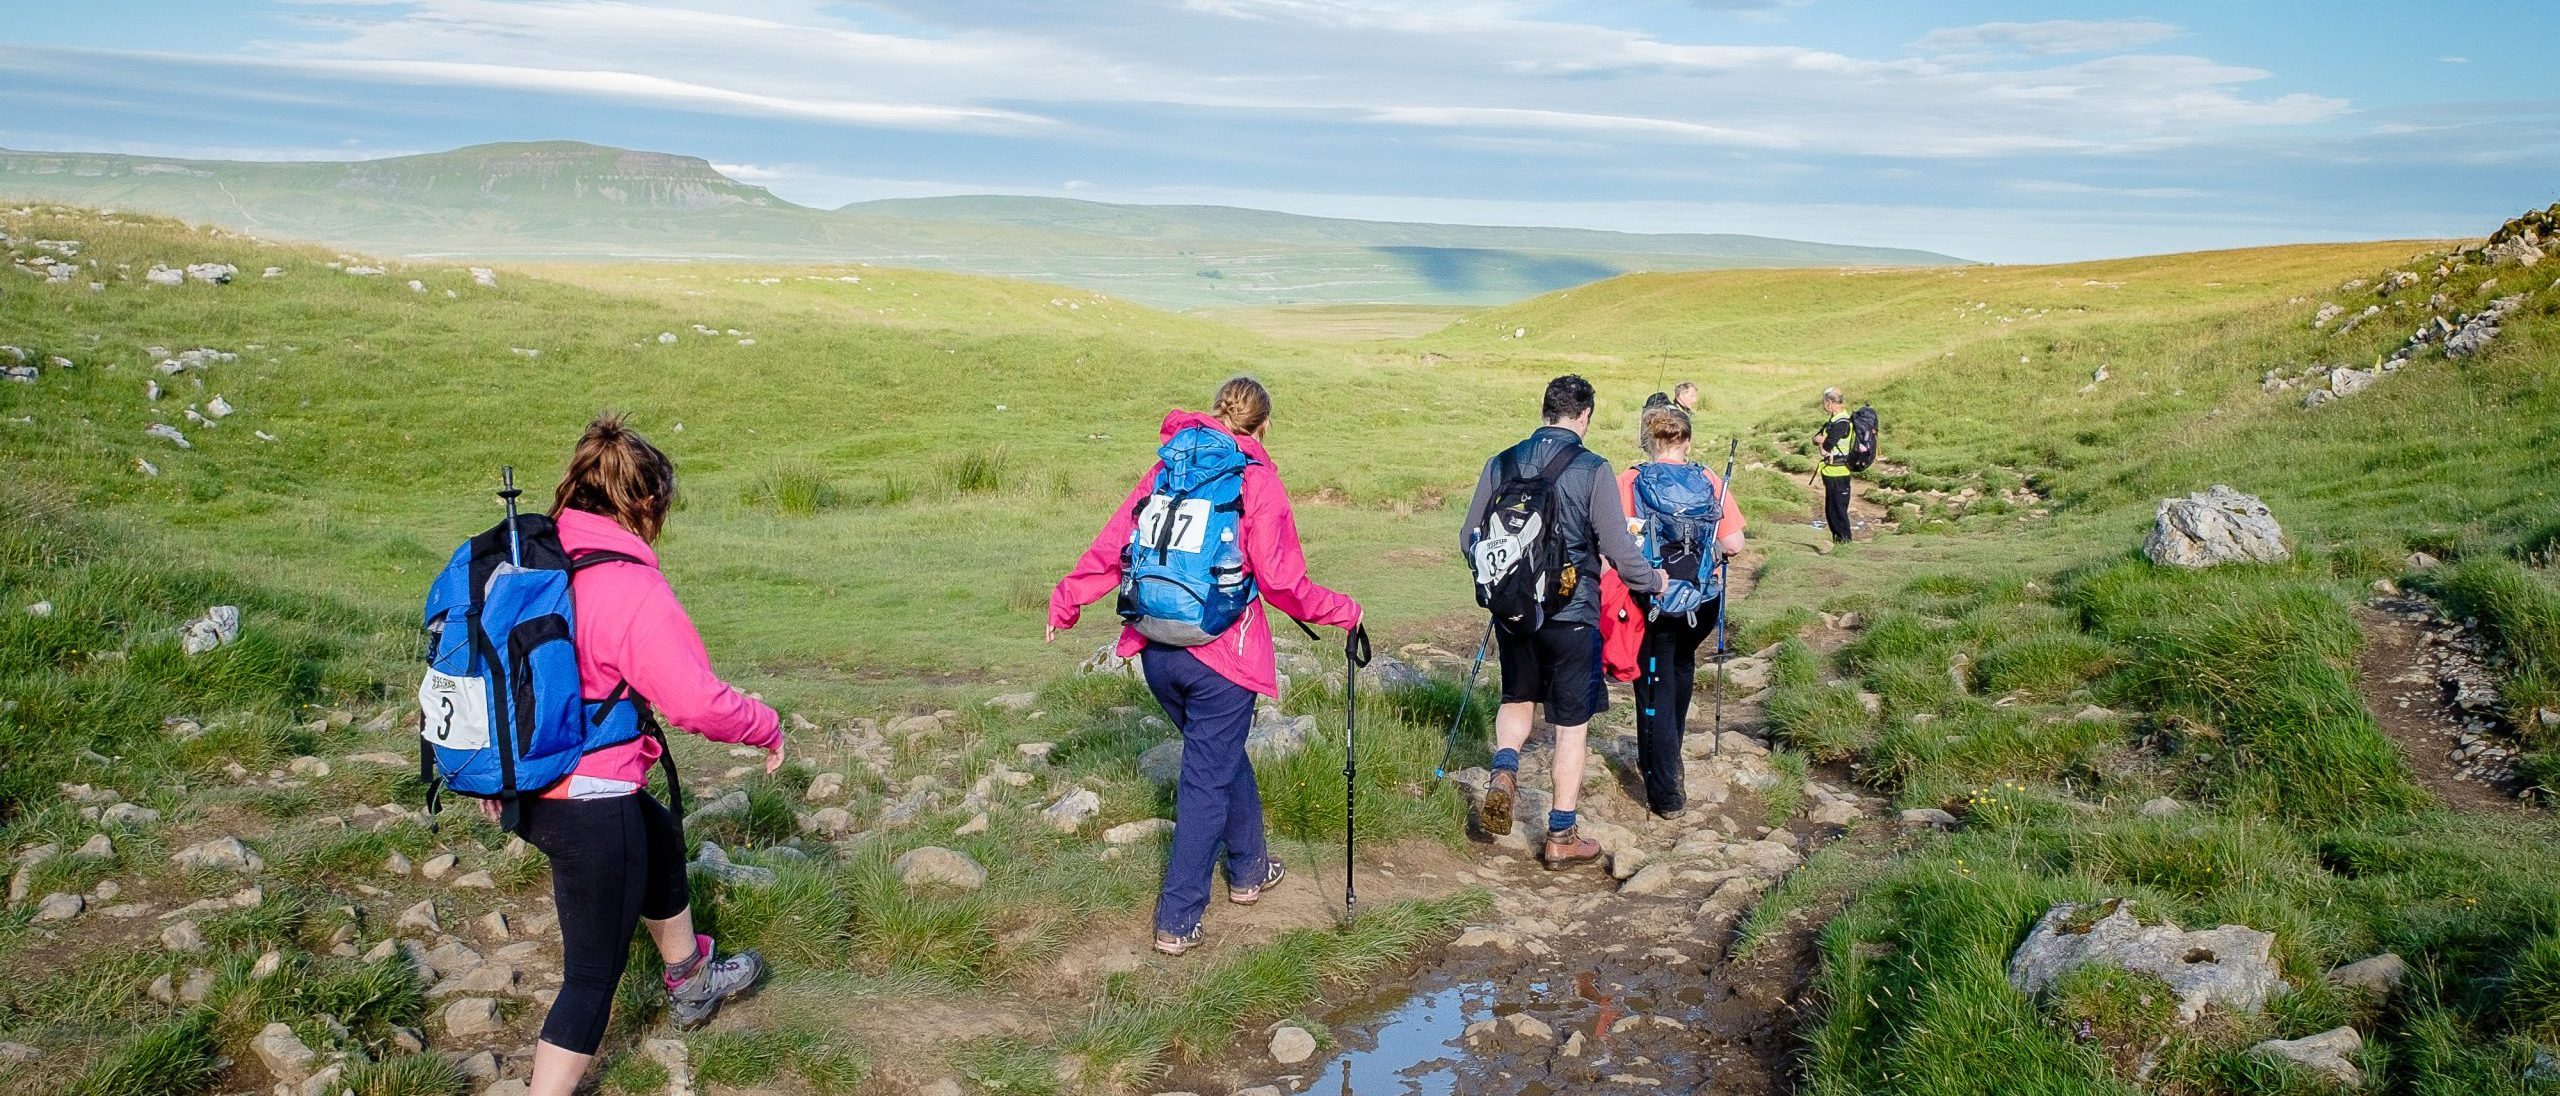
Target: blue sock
{"type": "Point", "coordinates": [1506, 761]}
{"type": "Point", "coordinates": [1559, 821]}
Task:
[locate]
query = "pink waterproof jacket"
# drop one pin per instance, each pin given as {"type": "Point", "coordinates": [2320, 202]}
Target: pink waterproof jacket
{"type": "Point", "coordinates": [1271, 553]}
{"type": "Point", "coordinates": [630, 628]}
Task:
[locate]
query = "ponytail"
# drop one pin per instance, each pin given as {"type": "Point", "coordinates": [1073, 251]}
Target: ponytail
{"type": "Point", "coordinates": [1243, 404]}
{"type": "Point", "coordinates": [617, 473]}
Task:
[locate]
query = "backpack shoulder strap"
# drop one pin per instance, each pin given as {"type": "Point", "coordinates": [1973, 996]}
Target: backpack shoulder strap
{"type": "Point", "coordinates": [585, 560]}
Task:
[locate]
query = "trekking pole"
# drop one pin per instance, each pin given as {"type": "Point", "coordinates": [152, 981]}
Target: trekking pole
{"type": "Point", "coordinates": [507, 490]}
{"type": "Point", "coordinates": [1724, 598]}
{"type": "Point", "coordinates": [1441, 771]}
{"type": "Point", "coordinates": [1355, 651]}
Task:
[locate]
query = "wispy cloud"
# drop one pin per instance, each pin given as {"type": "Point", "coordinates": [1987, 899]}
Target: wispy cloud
{"type": "Point", "coordinates": [2050, 36]}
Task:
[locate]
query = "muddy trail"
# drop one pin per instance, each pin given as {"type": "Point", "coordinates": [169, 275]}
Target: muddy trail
{"type": "Point", "coordinates": [2423, 677]}
{"type": "Point", "coordinates": [1621, 977]}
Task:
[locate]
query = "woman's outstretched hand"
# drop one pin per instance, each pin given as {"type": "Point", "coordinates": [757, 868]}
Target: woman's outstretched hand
{"type": "Point", "coordinates": [773, 761]}
{"type": "Point", "coordinates": [1053, 634]}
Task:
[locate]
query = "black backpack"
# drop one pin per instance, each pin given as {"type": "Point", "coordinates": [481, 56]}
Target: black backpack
{"type": "Point", "coordinates": [1862, 446]}
{"type": "Point", "coordinates": [1520, 570]}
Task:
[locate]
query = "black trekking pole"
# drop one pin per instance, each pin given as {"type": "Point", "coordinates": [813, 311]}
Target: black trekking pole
{"type": "Point", "coordinates": [1441, 771]}
{"type": "Point", "coordinates": [1724, 599]}
{"type": "Point", "coordinates": [1355, 651]}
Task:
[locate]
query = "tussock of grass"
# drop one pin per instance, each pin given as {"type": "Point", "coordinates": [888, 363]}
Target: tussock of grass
{"type": "Point", "coordinates": [977, 473]}
{"type": "Point", "coordinates": [1825, 720]}
{"type": "Point", "coordinates": [2263, 665]}
{"type": "Point", "coordinates": [175, 1057]}
{"type": "Point", "coordinates": [792, 488]}
{"type": "Point", "coordinates": [407, 1075]}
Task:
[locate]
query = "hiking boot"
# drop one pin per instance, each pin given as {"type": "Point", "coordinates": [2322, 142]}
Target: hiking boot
{"type": "Point", "coordinates": [1569, 848]}
{"type": "Point", "coordinates": [1493, 812]}
{"type": "Point", "coordinates": [693, 1000]}
{"type": "Point", "coordinates": [1171, 944]}
{"type": "Point", "coordinates": [1672, 815]}
{"type": "Point", "coordinates": [1272, 874]}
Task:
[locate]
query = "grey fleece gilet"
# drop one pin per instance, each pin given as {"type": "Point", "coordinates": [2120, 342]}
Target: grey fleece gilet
{"type": "Point", "coordinates": [1589, 521]}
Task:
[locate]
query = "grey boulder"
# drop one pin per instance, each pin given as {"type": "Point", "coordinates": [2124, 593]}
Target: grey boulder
{"type": "Point", "coordinates": [2214, 527]}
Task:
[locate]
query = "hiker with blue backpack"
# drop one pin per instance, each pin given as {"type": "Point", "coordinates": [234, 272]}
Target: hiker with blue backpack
{"type": "Point", "coordinates": [1544, 515]}
{"type": "Point", "coordinates": [1685, 521]}
{"type": "Point", "coordinates": [1200, 544]}
{"type": "Point", "coordinates": [557, 647]}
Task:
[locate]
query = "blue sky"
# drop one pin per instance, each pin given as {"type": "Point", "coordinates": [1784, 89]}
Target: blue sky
{"type": "Point", "coordinates": [2001, 131]}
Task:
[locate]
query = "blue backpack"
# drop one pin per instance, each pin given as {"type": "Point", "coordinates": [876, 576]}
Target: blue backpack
{"type": "Point", "coordinates": [1183, 574]}
{"type": "Point", "coordinates": [504, 714]}
{"type": "Point", "coordinates": [1677, 512]}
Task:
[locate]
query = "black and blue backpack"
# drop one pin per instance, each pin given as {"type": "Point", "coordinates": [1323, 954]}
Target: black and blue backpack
{"type": "Point", "coordinates": [1677, 512]}
{"type": "Point", "coordinates": [504, 714]}
{"type": "Point", "coordinates": [1183, 580]}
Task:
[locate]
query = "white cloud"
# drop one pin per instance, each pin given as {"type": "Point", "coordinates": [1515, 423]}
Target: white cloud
{"type": "Point", "coordinates": [2056, 186]}
{"type": "Point", "coordinates": [2455, 60]}
{"type": "Point", "coordinates": [2050, 36]}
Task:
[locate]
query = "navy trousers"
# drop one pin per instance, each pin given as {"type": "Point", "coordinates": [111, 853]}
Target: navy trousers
{"type": "Point", "coordinates": [1216, 804]}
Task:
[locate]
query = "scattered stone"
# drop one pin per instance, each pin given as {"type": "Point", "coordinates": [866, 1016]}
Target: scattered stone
{"type": "Point", "coordinates": [977, 823]}
{"type": "Point", "coordinates": [1014, 702]}
{"type": "Point", "coordinates": [1131, 833]}
{"type": "Point", "coordinates": [437, 865]}
{"type": "Point", "coordinates": [493, 925]}
{"type": "Point", "coordinates": [2213, 527]}
{"type": "Point", "coordinates": [714, 861]}
{"type": "Point", "coordinates": [1930, 817]}
{"type": "Point", "coordinates": [1072, 810]}
{"type": "Point", "coordinates": [478, 880]}
{"type": "Point", "coordinates": [168, 433]}
{"type": "Point", "coordinates": [1162, 763]}
{"type": "Point", "coordinates": [182, 937]}
{"type": "Point", "coordinates": [220, 625]}
{"type": "Point", "coordinates": [60, 907]}
{"type": "Point", "coordinates": [40, 609]}
{"type": "Point", "coordinates": [2378, 975]}
{"type": "Point", "coordinates": [97, 847]}
{"type": "Point", "coordinates": [1291, 1044]}
{"type": "Point", "coordinates": [283, 1053]}
{"type": "Point", "coordinates": [1036, 751]}
{"type": "Point", "coordinates": [2230, 966]}
{"type": "Point", "coordinates": [421, 918]}
{"type": "Point", "coordinates": [219, 854]}
{"type": "Point", "coordinates": [212, 273]}
{"type": "Point", "coordinates": [266, 966]}
{"type": "Point", "coordinates": [469, 1016]}
{"type": "Point", "coordinates": [829, 821]}
{"type": "Point", "coordinates": [2329, 1053]}
{"type": "Point", "coordinates": [825, 786]}
{"type": "Point", "coordinates": [935, 865]}
{"type": "Point", "coordinates": [397, 863]}
{"type": "Point", "coordinates": [2420, 561]}
{"type": "Point", "coordinates": [2160, 807]}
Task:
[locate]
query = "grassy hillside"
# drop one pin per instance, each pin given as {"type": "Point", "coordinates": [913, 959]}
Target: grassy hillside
{"type": "Point", "coordinates": [567, 200]}
{"type": "Point", "coordinates": [882, 474]}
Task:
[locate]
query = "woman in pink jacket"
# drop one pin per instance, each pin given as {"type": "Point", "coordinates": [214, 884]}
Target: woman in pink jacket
{"type": "Point", "coordinates": [617, 856]}
{"type": "Point", "coordinates": [1208, 689]}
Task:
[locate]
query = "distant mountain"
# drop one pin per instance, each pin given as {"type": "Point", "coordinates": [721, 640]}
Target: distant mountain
{"type": "Point", "coordinates": [1228, 223]}
{"type": "Point", "coordinates": [567, 200]}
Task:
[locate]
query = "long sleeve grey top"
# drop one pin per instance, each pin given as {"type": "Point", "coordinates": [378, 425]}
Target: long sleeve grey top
{"type": "Point", "coordinates": [1588, 517]}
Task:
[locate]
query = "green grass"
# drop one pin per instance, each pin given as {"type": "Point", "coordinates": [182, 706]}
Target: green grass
{"type": "Point", "coordinates": [2518, 606]}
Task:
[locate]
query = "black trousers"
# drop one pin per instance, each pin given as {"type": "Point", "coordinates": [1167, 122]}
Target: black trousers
{"type": "Point", "coordinates": [1835, 506]}
{"type": "Point", "coordinates": [1667, 671]}
{"type": "Point", "coordinates": [613, 862]}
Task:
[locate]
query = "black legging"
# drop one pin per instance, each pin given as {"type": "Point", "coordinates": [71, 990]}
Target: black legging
{"type": "Point", "coordinates": [1667, 668]}
{"type": "Point", "coordinates": [613, 862]}
{"type": "Point", "coordinates": [1835, 507]}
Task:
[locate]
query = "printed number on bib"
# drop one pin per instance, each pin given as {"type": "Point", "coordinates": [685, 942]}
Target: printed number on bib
{"type": "Point", "coordinates": [456, 709]}
{"type": "Point", "coordinates": [1190, 519]}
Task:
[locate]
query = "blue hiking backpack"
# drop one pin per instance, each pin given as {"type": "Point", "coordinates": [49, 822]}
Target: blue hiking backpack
{"type": "Point", "coordinates": [504, 713]}
{"type": "Point", "coordinates": [1183, 580]}
{"type": "Point", "coordinates": [1677, 512]}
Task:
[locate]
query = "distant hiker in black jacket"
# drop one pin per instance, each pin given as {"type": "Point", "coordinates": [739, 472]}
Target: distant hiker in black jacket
{"type": "Point", "coordinates": [1833, 442]}
{"type": "Point", "coordinates": [1558, 663]}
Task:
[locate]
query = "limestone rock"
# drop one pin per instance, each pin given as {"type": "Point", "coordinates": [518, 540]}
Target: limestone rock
{"type": "Point", "coordinates": [2160, 807]}
{"type": "Point", "coordinates": [283, 1053]}
{"type": "Point", "coordinates": [2230, 967]}
{"type": "Point", "coordinates": [934, 865]}
{"type": "Point", "coordinates": [714, 861]}
{"type": "Point", "coordinates": [1930, 817]}
{"type": "Point", "coordinates": [420, 918]}
{"type": "Point", "coordinates": [182, 937]}
{"type": "Point", "coordinates": [1291, 1044]}
{"type": "Point", "coordinates": [2344, 382]}
{"type": "Point", "coordinates": [2378, 975]}
{"type": "Point", "coordinates": [60, 907]}
{"type": "Point", "coordinates": [218, 626]}
{"type": "Point", "coordinates": [825, 786]}
{"type": "Point", "coordinates": [478, 880]}
{"type": "Point", "coordinates": [1014, 702]}
{"type": "Point", "coordinates": [469, 1016]}
{"type": "Point", "coordinates": [1162, 763]}
{"type": "Point", "coordinates": [1106, 660]}
{"type": "Point", "coordinates": [1073, 810]}
{"type": "Point", "coordinates": [2215, 526]}
{"type": "Point", "coordinates": [1131, 833]}
{"type": "Point", "coordinates": [2330, 1053]}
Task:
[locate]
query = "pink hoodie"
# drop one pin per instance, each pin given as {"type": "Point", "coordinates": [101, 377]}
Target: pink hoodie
{"type": "Point", "coordinates": [630, 628]}
{"type": "Point", "coordinates": [1271, 553]}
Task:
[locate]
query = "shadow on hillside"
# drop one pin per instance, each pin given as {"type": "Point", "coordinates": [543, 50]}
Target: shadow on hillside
{"type": "Point", "coordinates": [1472, 269]}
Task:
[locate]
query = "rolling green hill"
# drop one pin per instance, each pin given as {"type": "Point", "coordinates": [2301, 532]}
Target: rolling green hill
{"type": "Point", "coordinates": [566, 200]}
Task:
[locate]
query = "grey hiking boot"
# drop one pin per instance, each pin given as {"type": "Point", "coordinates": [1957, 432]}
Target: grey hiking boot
{"type": "Point", "coordinates": [694, 999]}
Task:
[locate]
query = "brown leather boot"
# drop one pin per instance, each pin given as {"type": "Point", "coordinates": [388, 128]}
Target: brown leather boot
{"type": "Point", "coordinates": [1568, 849]}
{"type": "Point", "coordinates": [1493, 812]}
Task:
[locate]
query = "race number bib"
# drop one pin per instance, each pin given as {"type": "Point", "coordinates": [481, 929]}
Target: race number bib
{"type": "Point", "coordinates": [1189, 523]}
{"type": "Point", "coordinates": [456, 710]}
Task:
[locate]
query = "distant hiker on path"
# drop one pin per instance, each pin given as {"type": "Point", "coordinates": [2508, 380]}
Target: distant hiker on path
{"type": "Point", "coordinates": [617, 855]}
{"type": "Point", "coordinates": [1834, 442]}
{"type": "Point", "coordinates": [1684, 395]}
{"type": "Point", "coordinates": [1664, 497]}
{"type": "Point", "coordinates": [1544, 513]}
{"type": "Point", "coordinates": [1200, 543]}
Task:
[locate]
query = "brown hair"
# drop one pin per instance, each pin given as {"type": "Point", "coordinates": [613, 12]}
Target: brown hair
{"type": "Point", "coordinates": [1662, 428]}
{"type": "Point", "coordinates": [617, 473]}
{"type": "Point", "coordinates": [1243, 404]}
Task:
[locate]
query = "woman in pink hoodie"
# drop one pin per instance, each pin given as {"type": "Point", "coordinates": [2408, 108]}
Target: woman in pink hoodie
{"type": "Point", "coordinates": [1208, 689]}
{"type": "Point", "coordinates": [617, 855]}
